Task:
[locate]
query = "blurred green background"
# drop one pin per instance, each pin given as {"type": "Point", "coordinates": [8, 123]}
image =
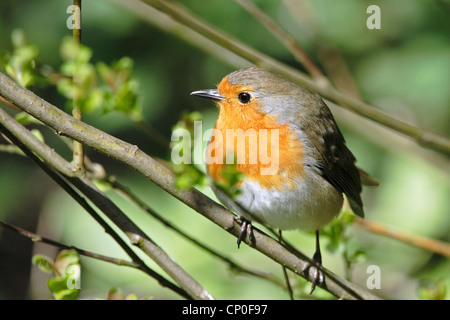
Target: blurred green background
{"type": "Point", "coordinates": [403, 68]}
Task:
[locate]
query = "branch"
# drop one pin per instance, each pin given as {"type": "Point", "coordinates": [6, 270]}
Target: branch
{"type": "Point", "coordinates": [136, 236]}
{"type": "Point", "coordinates": [78, 150]}
{"type": "Point", "coordinates": [187, 35]}
{"type": "Point", "coordinates": [37, 238]}
{"type": "Point", "coordinates": [232, 264]}
{"type": "Point", "coordinates": [286, 39]}
{"type": "Point", "coordinates": [181, 14]}
{"type": "Point", "coordinates": [147, 166]}
{"type": "Point", "coordinates": [9, 148]}
{"type": "Point", "coordinates": [125, 192]}
{"type": "Point", "coordinates": [432, 245]}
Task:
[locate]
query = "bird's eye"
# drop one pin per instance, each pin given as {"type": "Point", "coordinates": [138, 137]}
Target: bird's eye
{"type": "Point", "coordinates": [244, 97]}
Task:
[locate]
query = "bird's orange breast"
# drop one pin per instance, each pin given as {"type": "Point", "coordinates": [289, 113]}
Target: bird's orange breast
{"type": "Point", "coordinates": [258, 133]}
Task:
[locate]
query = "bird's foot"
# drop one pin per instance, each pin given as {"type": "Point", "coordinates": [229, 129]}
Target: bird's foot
{"type": "Point", "coordinates": [318, 277]}
{"type": "Point", "coordinates": [246, 229]}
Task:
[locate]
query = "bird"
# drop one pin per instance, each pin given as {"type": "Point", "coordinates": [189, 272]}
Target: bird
{"type": "Point", "coordinates": [314, 167]}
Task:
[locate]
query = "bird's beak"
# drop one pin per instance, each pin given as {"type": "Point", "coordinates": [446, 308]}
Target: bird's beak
{"type": "Point", "coordinates": [212, 94]}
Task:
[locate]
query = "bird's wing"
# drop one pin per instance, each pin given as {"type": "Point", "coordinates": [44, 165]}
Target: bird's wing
{"type": "Point", "coordinates": [336, 163]}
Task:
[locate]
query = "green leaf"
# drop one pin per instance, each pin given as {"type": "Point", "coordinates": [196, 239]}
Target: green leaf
{"type": "Point", "coordinates": [20, 64]}
{"type": "Point", "coordinates": [231, 179]}
{"type": "Point", "coordinates": [66, 258]}
{"type": "Point", "coordinates": [187, 176]}
{"type": "Point", "coordinates": [338, 240]}
{"type": "Point", "coordinates": [102, 185]}
{"type": "Point", "coordinates": [432, 290]}
{"type": "Point", "coordinates": [67, 294]}
{"type": "Point", "coordinates": [106, 73]}
{"type": "Point", "coordinates": [58, 286]}
{"type": "Point", "coordinates": [115, 294]}
{"type": "Point", "coordinates": [43, 262]}
{"type": "Point", "coordinates": [65, 87]}
{"type": "Point", "coordinates": [70, 50]}
{"type": "Point", "coordinates": [120, 89]}
{"type": "Point", "coordinates": [187, 120]}
{"type": "Point", "coordinates": [37, 134]}
{"type": "Point", "coordinates": [25, 119]}
{"type": "Point", "coordinates": [66, 270]}
{"type": "Point", "coordinates": [18, 38]}
{"type": "Point", "coordinates": [66, 273]}
{"type": "Point", "coordinates": [124, 64]}
{"type": "Point", "coordinates": [94, 101]}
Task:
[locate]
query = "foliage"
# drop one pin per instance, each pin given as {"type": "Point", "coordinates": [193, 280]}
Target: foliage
{"type": "Point", "coordinates": [187, 176]}
{"type": "Point", "coordinates": [65, 268]}
{"type": "Point", "coordinates": [432, 290]}
{"type": "Point", "coordinates": [109, 88]}
{"type": "Point", "coordinates": [20, 64]}
{"type": "Point", "coordinates": [231, 179]}
{"type": "Point", "coordinates": [117, 294]}
{"type": "Point", "coordinates": [339, 241]}
{"type": "Point", "coordinates": [94, 87]}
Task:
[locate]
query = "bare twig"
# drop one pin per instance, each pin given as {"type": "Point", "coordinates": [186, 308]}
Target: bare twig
{"type": "Point", "coordinates": [431, 245]}
{"type": "Point", "coordinates": [9, 148]}
{"type": "Point", "coordinates": [78, 150]}
{"type": "Point", "coordinates": [167, 24]}
{"type": "Point", "coordinates": [286, 39]}
{"type": "Point", "coordinates": [285, 274]}
{"type": "Point", "coordinates": [38, 238]}
{"type": "Point", "coordinates": [338, 71]}
{"type": "Point", "coordinates": [152, 133]}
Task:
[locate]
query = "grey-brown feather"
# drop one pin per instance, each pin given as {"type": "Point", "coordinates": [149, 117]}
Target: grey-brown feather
{"type": "Point", "coordinates": [308, 113]}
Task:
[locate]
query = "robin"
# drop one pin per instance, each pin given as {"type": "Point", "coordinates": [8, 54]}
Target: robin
{"type": "Point", "coordinates": [314, 166]}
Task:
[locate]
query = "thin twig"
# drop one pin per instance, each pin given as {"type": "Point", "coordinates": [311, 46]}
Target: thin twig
{"type": "Point", "coordinates": [167, 24]}
{"type": "Point", "coordinates": [38, 238]}
{"type": "Point", "coordinates": [152, 133]}
{"type": "Point", "coordinates": [421, 136]}
{"type": "Point", "coordinates": [285, 274]}
{"type": "Point", "coordinates": [9, 148]}
{"type": "Point", "coordinates": [432, 245]}
{"type": "Point", "coordinates": [349, 287]}
{"type": "Point", "coordinates": [78, 150]}
{"type": "Point", "coordinates": [338, 72]}
{"type": "Point", "coordinates": [286, 39]}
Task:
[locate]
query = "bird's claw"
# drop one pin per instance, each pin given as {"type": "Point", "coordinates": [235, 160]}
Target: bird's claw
{"type": "Point", "coordinates": [318, 277]}
{"type": "Point", "coordinates": [246, 229]}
